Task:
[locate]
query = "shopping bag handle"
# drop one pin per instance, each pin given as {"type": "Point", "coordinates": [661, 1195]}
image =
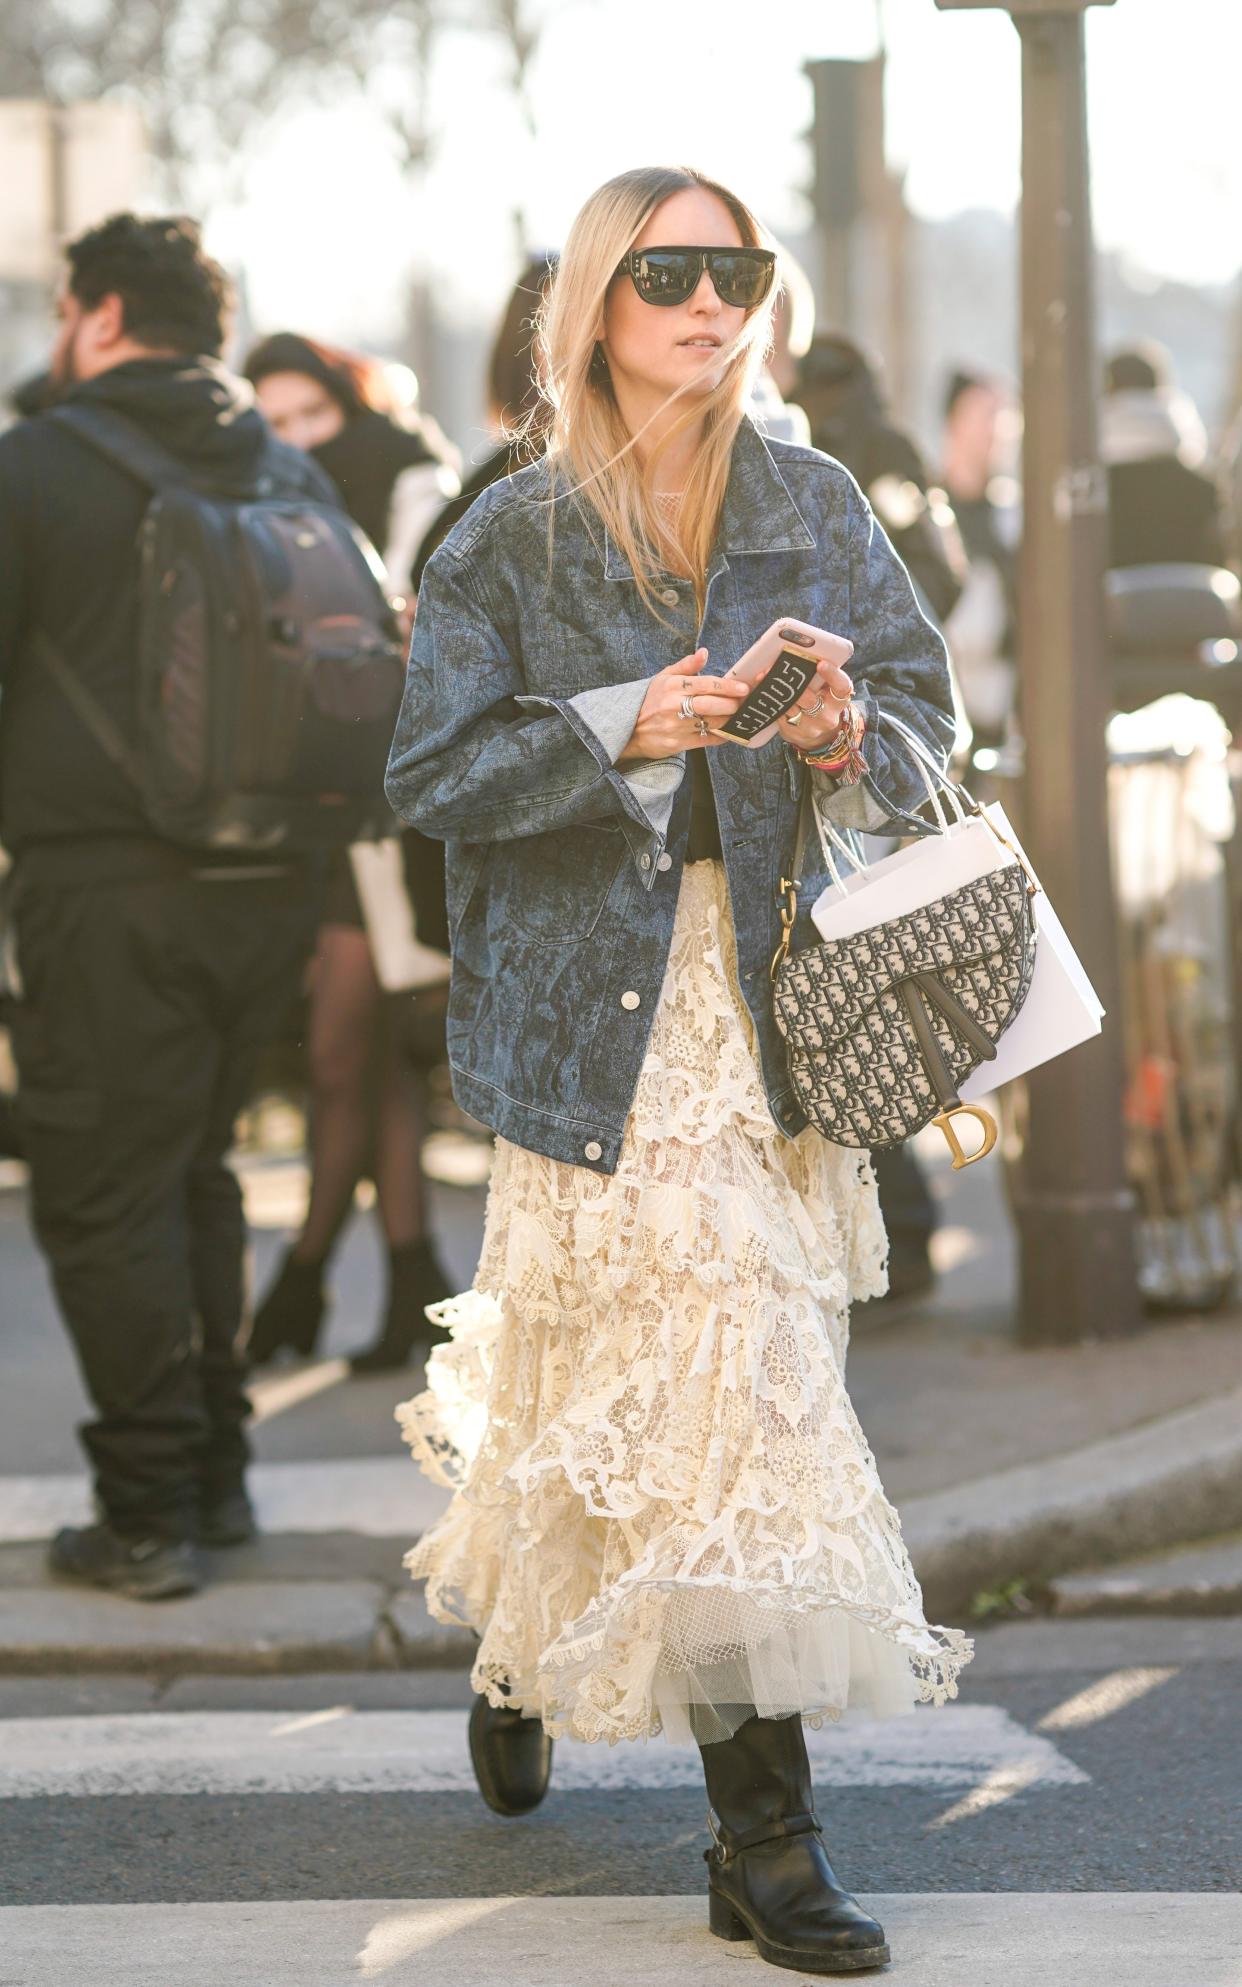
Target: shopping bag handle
{"type": "Point", "coordinates": [937, 782]}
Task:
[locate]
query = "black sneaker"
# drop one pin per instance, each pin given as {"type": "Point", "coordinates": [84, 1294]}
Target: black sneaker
{"type": "Point", "coordinates": [151, 1569]}
{"type": "Point", "coordinates": [226, 1518]}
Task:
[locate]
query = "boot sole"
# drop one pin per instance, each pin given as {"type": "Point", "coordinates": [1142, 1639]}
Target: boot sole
{"type": "Point", "coordinates": [726, 1922]}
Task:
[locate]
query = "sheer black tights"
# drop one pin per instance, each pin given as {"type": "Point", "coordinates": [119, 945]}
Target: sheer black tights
{"type": "Point", "coordinates": [367, 1100]}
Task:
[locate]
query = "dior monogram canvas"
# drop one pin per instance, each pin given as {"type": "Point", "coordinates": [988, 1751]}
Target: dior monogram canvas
{"type": "Point", "coordinates": [882, 1026]}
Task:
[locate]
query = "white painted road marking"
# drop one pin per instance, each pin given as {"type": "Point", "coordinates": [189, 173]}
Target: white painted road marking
{"type": "Point", "coordinates": [379, 1496]}
{"type": "Point", "coordinates": [258, 1752]}
{"type": "Point", "coordinates": [974, 1939]}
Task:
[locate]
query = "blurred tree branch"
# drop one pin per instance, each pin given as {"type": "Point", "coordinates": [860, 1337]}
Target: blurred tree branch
{"type": "Point", "coordinates": [209, 75]}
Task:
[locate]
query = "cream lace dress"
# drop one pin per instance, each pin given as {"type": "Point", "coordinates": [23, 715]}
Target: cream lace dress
{"type": "Point", "coordinates": [664, 1504]}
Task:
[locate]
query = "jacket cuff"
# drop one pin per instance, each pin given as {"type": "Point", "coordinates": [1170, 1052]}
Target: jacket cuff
{"type": "Point", "coordinates": [603, 720]}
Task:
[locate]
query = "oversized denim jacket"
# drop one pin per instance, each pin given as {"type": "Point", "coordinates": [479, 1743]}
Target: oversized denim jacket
{"type": "Point", "coordinates": [527, 673]}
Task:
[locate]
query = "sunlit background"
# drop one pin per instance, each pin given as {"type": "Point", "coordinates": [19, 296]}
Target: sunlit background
{"type": "Point", "coordinates": [333, 228]}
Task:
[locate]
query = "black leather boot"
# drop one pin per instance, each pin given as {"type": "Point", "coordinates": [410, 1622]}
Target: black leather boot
{"type": "Point", "coordinates": [291, 1314]}
{"type": "Point", "coordinates": [415, 1279]}
{"type": "Point", "coordinates": [511, 1756]}
{"type": "Point", "coordinates": [768, 1871]}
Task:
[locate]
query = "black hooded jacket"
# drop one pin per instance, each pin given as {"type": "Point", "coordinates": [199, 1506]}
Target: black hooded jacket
{"type": "Point", "coordinates": [69, 524]}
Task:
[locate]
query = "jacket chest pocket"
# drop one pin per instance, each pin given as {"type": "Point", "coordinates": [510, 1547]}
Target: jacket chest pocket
{"type": "Point", "coordinates": [551, 889]}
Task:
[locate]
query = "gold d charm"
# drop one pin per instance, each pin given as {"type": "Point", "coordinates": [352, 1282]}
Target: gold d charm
{"type": "Point", "coordinates": [944, 1123]}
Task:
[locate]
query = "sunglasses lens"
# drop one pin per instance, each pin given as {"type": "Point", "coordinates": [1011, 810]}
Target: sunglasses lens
{"type": "Point", "coordinates": [742, 279]}
{"type": "Point", "coordinates": [665, 275]}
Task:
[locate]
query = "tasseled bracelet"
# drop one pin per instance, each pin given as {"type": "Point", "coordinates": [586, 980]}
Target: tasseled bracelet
{"type": "Point", "coordinates": [842, 756]}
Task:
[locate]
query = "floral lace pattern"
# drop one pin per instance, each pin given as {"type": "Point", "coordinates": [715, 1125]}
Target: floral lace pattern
{"type": "Point", "coordinates": [664, 1503]}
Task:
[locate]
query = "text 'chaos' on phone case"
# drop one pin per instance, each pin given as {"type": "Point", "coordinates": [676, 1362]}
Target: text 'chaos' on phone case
{"type": "Point", "coordinates": [770, 699]}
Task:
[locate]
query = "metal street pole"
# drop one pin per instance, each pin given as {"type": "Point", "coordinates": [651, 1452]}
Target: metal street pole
{"type": "Point", "coordinates": [1075, 1210]}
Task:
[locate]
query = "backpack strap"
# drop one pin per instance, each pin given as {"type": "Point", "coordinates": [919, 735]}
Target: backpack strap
{"type": "Point", "coordinates": [128, 446]}
{"type": "Point", "coordinates": [78, 694]}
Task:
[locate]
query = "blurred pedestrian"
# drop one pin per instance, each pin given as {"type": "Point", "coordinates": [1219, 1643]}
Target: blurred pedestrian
{"type": "Point", "coordinates": [515, 403]}
{"type": "Point", "coordinates": [841, 389]}
{"type": "Point", "coordinates": [1164, 505]}
{"type": "Point", "coordinates": [393, 474]}
{"type": "Point", "coordinates": [150, 974]}
{"type": "Point", "coordinates": [666, 1517]}
{"type": "Point", "coordinates": [774, 404]}
{"type": "Point", "coordinates": [368, 1095]}
{"type": "Point", "coordinates": [982, 627]}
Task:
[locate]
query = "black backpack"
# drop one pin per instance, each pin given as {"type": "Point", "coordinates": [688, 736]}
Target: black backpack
{"type": "Point", "coordinates": [269, 666]}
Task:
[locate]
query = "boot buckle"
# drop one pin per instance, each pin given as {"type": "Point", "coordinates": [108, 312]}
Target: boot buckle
{"type": "Point", "coordinates": [727, 1843]}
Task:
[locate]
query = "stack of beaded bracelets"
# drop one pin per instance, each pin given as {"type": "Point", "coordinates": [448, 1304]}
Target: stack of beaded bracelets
{"type": "Point", "coordinates": [842, 756]}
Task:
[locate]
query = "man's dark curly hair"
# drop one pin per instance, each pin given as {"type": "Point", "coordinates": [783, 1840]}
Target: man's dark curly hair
{"type": "Point", "coordinates": [173, 295]}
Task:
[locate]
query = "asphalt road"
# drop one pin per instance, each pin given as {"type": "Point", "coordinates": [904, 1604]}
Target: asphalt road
{"type": "Point", "coordinates": [1139, 1791]}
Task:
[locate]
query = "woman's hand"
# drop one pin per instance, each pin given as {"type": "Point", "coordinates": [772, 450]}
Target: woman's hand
{"type": "Point", "coordinates": [815, 717]}
{"type": "Point", "coordinates": [663, 729]}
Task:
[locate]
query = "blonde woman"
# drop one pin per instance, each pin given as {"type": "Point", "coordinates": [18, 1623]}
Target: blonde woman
{"type": "Point", "coordinates": [666, 1515]}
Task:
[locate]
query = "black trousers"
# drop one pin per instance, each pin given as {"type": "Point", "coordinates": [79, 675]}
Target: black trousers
{"type": "Point", "coordinates": [144, 1005]}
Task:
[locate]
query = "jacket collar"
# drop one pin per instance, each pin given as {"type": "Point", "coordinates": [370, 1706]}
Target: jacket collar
{"type": "Point", "coordinates": [759, 515]}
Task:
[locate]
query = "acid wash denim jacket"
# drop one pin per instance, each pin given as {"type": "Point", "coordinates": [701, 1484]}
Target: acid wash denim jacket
{"type": "Point", "coordinates": [526, 677]}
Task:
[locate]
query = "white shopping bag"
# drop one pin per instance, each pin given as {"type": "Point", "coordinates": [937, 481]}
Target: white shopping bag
{"type": "Point", "coordinates": [1061, 1009]}
{"type": "Point", "coordinates": [402, 964]}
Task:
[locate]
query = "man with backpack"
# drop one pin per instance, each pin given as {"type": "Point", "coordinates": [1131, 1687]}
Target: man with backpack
{"type": "Point", "coordinates": [197, 682]}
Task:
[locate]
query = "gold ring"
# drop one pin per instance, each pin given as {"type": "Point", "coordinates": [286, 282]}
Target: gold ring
{"type": "Point", "coordinates": [794, 716]}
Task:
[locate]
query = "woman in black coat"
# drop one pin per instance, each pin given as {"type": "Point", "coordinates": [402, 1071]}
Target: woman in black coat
{"type": "Point", "coordinates": [367, 1104]}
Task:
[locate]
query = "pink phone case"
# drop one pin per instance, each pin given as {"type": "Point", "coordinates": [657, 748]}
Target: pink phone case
{"type": "Point", "coordinates": [759, 657]}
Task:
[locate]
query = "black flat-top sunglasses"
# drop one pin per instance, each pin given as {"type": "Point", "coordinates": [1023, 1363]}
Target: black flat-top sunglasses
{"type": "Point", "coordinates": [742, 276]}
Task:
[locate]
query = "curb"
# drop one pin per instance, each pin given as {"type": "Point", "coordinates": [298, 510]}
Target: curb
{"type": "Point", "coordinates": [1176, 1479]}
{"type": "Point", "coordinates": [243, 1628]}
{"type": "Point", "coordinates": [1199, 1580]}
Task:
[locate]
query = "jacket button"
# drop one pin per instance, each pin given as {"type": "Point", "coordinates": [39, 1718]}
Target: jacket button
{"type": "Point", "coordinates": [630, 1000]}
{"type": "Point", "coordinates": [644, 862]}
{"type": "Point", "coordinates": [670, 596]}
{"type": "Point", "coordinates": [594, 1150]}
{"type": "Point", "coordinates": [664, 862]}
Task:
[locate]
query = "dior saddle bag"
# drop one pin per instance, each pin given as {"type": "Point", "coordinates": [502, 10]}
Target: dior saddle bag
{"type": "Point", "coordinates": [881, 1027]}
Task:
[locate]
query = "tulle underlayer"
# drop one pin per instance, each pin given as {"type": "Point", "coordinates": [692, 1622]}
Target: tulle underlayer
{"type": "Point", "coordinates": [665, 1511]}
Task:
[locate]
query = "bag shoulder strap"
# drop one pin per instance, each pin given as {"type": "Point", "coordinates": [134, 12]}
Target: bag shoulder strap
{"type": "Point", "coordinates": [125, 445]}
{"type": "Point", "coordinates": [99, 722]}
{"type": "Point", "coordinates": [128, 446]}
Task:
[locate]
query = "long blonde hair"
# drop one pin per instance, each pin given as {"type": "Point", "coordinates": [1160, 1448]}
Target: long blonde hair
{"type": "Point", "coordinates": [591, 451]}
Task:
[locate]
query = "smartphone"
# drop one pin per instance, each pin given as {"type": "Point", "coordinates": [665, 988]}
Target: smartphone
{"type": "Point", "coordinates": [781, 665]}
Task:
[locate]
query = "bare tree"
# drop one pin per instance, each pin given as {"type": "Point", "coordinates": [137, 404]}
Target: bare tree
{"type": "Point", "coordinates": [209, 75]}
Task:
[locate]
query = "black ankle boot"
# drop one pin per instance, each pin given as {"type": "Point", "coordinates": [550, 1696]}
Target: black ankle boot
{"type": "Point", "coordinates": [415, 1279]}
{"type": "Point", "coordinates": [511, 1756]}
{"type": "Point", "coordinates": [291, 1314]}
{"type": "Point", "coordinates": [769, 1876]}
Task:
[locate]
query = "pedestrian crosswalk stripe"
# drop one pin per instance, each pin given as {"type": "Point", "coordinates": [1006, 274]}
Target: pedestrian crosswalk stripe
{"type": "Point", "coordinates": [258, 1752]}
{"type": "Point", "coordinates": [379, 1496]}
{"type": "Point", "coordinates": [972, 1939]}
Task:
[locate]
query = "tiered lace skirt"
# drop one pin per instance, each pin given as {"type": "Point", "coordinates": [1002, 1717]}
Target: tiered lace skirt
{"type": "Point", "coordinates": [665, 1511]}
